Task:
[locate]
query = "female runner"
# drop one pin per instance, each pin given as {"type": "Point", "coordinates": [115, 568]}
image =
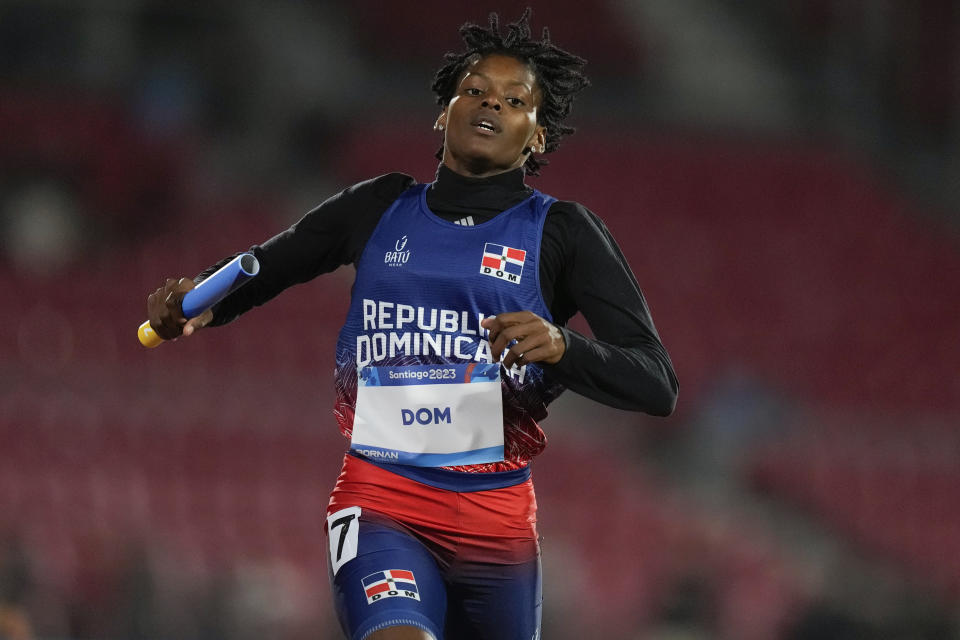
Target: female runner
{"type": "Point", "coordinates": [454, 344]}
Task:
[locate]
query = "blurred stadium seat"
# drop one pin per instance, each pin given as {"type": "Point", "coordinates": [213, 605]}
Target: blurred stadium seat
{"type": "Point", "coordinates": [891, 490]}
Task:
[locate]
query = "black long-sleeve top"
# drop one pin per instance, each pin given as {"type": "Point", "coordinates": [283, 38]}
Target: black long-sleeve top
{"type": "Point", "coordinates": [581, 269]}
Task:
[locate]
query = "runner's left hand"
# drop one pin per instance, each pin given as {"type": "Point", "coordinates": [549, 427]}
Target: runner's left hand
{"type": "Point", "coordinates": [536, 339]}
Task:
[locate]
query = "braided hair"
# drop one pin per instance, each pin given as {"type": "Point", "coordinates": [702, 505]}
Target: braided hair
{"type": "Point", "coordinates": [558, 74]}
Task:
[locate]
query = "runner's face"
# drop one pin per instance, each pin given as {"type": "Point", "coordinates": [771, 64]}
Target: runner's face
{"type": "Point", "coordinates": [492, 118]}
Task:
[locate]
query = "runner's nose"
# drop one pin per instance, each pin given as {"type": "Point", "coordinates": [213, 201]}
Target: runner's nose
{"type": "Point", "coordinates": [492, 103]}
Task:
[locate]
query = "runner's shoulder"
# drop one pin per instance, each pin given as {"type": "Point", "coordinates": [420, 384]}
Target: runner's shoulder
{"type": "Point", "coordinates": [573, 213]}
{"type": "Point", "coordinates": [384, 188]}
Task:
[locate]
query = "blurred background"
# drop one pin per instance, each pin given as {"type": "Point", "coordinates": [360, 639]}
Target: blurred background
{"type": "Point", "coordinates": [782, 176]}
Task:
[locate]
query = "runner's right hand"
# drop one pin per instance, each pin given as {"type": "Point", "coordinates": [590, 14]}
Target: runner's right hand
{"type": "Point", "coordinates": [165, 311]}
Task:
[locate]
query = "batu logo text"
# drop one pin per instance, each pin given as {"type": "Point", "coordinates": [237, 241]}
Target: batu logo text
{"type": "Point", "coordinates": [399, 256]}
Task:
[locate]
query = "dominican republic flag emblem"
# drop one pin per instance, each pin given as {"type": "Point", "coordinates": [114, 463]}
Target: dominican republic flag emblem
{"type": "Point", "coordinates": [391, 583]}
{"type": "Point", "coordinates": [502, 262]}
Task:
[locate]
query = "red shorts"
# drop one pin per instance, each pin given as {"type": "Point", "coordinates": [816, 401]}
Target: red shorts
{"type": "Point", "coordinates": [459, 563]}
{"type": "Point", "coordinates": [496, 525]}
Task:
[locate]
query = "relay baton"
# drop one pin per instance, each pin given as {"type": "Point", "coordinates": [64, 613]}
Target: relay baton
{"type": "Point", "coordinates": [224, 280]}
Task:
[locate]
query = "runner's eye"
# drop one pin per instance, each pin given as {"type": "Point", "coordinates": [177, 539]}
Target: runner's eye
{"type": "Point", "coordinates": [516, 102]}
{"type": "Point", "coordinates": [472, 91]}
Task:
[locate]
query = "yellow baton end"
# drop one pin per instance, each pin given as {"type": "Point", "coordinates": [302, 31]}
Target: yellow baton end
{"type": "Point", "coordinates": [148, 337]}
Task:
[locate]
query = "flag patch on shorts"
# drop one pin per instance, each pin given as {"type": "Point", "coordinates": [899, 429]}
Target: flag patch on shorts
{"type": "Point", "coordinates": [502, 262]}
{"type": "Point", "coordinates": [391, 583]}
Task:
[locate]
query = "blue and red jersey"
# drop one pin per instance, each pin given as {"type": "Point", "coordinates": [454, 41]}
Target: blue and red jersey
{"type": "Point", "coordinates": [423, 286]}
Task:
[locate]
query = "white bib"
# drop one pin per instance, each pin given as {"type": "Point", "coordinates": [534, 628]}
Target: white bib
{"type": "Point", "coordinates": [429, 415]}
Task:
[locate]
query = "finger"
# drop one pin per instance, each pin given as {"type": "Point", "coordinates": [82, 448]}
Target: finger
{"type": "Point", "coordinates": [174, 316]}
{"type": "Point", "coordinates": [496, 324]}
{"type": "Point", "coordinates": [158, 314]}
{"type": "Point", "coordinates": [517, 343]}
{"type": "Point", "coordinates": [522, 352]}
{"type": "Point", "coordinates": [156, 310]}
{"type": "Point", "coordinates": [504, 339]}
{"type": "Point", "coordinates": [513, 357]}
{"type": "Point", "coordinates": [176, 289]}
{"type": "Point", "coordinates": [516, 332]}
{"type": "Point", "coordinates": [538, 354]}
{"type": "Point", "coordinates": [163, 309]}
{"type": "Point", "coordinates": [190, 326]}
{"type": "Point", "coordinates": [493, 327]}
{"type": "Point", "coordinates": [197, 323]}
{"type": "Point", "coordinates": [509, 318]}
{"type": "Point", "coordinates": [497, 346]}
{"type": "Point", "coordinates": [164, 328]}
